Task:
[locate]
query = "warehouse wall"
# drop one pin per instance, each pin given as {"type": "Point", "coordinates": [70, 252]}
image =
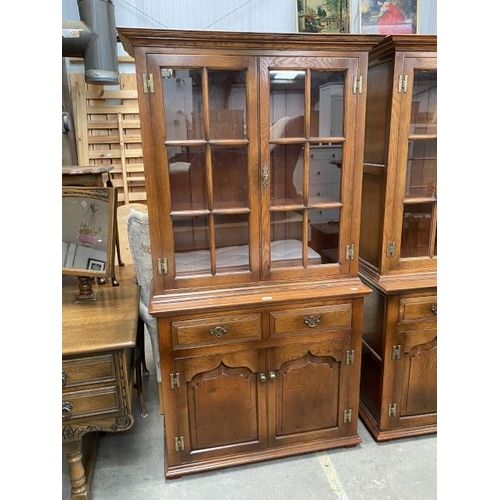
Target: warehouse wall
{"type": "Point", "coordinates": [232, 15]}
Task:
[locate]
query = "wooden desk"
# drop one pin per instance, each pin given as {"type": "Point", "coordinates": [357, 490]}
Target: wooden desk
{"type": "Point", "coordinates": [98, 361]}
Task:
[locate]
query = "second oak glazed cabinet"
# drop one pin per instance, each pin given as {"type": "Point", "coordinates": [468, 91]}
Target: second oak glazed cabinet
{"type": "Point", "coordinates": [398, 242]}
{"type": "Point", "coordinates": [253, 161]}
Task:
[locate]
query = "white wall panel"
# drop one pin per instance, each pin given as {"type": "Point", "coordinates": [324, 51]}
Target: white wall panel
{"type": "Point", "coordinates": [232, 15]}
{"type": "Point", "coordinates": [229, 15]}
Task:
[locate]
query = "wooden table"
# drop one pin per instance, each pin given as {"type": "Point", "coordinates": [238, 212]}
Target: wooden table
{"type": "Point", "coordinates": [98, 362]}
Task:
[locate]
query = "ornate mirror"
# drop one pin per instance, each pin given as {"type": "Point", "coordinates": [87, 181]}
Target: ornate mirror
{"type": "Point", "coordinates": [88, 235]}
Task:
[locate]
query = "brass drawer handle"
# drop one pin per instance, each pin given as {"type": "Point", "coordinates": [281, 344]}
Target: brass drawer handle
{"type": "Point", "coordinates": [64, 378]}
{"type": "Point", "coordinates": [66, 409]}
{"type": "Point", "coordinates": [312, 321]}
{"type": "Point", "coordinates": [218, 331]}
{"type": "Point", "coordinates": [434, 309]}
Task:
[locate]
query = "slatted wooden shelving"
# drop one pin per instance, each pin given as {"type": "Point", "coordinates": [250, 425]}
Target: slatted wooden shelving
{"type": "Point", "coordinates": [108, 132]}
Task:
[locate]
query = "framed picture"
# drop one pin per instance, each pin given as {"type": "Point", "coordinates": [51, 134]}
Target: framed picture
{"type": "Point", "coordinates": [96, 265]}
{"type": "Point", "coordinates": [389, 18]}
{"type": "Point", "coordinates": [323, 16]}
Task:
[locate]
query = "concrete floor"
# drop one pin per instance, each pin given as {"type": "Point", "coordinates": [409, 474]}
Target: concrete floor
{"type": "Point", "coordinates": [129, 466]}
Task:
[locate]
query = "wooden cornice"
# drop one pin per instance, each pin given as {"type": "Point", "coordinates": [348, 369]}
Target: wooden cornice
{"type": "Point", "coordinates": [403, 43]}
{"type": "Point", "coordinates": [248, 41]}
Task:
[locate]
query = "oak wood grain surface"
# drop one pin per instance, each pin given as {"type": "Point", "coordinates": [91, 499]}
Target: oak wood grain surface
{"type": "Point", "coordinates": [91, 327]}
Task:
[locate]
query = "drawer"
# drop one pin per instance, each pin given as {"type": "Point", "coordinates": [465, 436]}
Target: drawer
{"type": "Point", "coordinates": [216, 330]}
{"type": "Point", "coordinates": [88, 370]}
{"type": "Point", "coordinates": [78, 404]}
{"type": "Point", "coordinates": [310, 319]}
{"type": "Point", "coordinates": [413, 309]}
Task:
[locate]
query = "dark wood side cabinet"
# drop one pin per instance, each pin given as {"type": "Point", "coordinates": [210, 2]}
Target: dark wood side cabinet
{"type": "Point", "coordinates": [398, 241]}
{"type": "Point", "coordinates": [253, 141]}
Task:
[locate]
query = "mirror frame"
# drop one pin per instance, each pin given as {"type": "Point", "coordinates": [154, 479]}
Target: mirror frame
{"type": "Point", "coordinates": [108, 195]}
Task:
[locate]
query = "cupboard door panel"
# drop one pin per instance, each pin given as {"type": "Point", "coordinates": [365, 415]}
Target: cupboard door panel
{"type": "Point", "coordinates": [309, 393]}
{"type": "Point", "coordinates": [419, 394]}
{"type": "Point", "coordinates": [221, 404]}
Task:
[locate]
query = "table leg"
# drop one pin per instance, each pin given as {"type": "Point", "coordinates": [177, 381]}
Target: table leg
{"type": "Point", "coordinates": [74, 454]}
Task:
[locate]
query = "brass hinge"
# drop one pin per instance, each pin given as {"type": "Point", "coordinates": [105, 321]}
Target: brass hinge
{"type": "Point", "coordinates": [162, 265]}
{"type": "Point", "coordinates": [175, 381]}
{"type": "Point", "coordinates": [357, 85]}
{"type": "Point", "coordinates": [179, 443]}
{"type": "Point", "coordinates": [402, 83]}
{"type": "Point", "coordinates": [349, 252]}
{"type": "Point", "coordinates": [392, 410]}
{"type": "Point", "coordinates": [349, 357]}
{"type": "Point", "coordinates": [391, 248]}
{"type": "Point", "coordinates": [396, 351]}
{"type": "Point", "coordinates": [347, 416]}
{"type": "Point", "coordinates": [148, 83]}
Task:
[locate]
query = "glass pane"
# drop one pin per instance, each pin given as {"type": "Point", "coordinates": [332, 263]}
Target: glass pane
{"type": "Point", "coordinates": [229, 173]}
{"type": "Point", "coordinates": [232, 240]}
{"type": "Point", "coordinates": [191, 242]}
{"type": "Point", "coordinates": [424, 103]}
{"type": "Point", "coordinates": [286, 104]}
{"type": "Point", "coordinates": [325, 170]}
{"type": "Point", "coordinates": [227, 104]}
{"type": "Point", "coordinates": [421, 169]}
{"type": "Point", "coordinates": [186, 168]}
{"type": "Point", "coordinates": [323, 233]}
{"type": "Point", "coordinates": [286, 239]}
{"type": "Point", "coordinates": [327, 104]}
{"type": "Point", "coordinates": [183, 97]}
{"type": "Point", "coordinates": [287, 164]}
{"type": "Point", "coordinates": [416, 233]}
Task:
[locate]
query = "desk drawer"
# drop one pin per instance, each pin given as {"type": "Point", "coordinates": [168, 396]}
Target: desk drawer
{"type": "Point", "coordinates": [311, 319]}
{"type": "Point", "coordinates": [78, 404]}
{"type": "Point", "coordinates": [412, 309]}
{"type": "Point", "coordinates": [88, 370]}
{"type": "Point", "coordinates": [216, 330]}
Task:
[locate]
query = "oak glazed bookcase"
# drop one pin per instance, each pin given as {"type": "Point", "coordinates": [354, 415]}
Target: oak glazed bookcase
{"type": "Point", "coordinates": [253, 151]}
{"type": "Point", "coordinates": [398, 242]}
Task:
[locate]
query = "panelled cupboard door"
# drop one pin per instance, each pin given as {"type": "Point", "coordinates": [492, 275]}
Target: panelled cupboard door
{"type": "Point", "coordinates": [414, 226]}
{"type": "Point", "coordinates": [251, 157]}
{"type": "Point", "coordinates": [221, 405]}
{"type": "Point", "coordinates": [419, 392]}
{"type": "Point", "coordinates": [417, 364]}
{"type": "Point", "coordinates": [308, 388]}
{"type": "Point", "coordinates": [250, 400]}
